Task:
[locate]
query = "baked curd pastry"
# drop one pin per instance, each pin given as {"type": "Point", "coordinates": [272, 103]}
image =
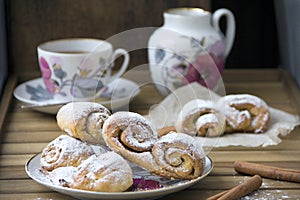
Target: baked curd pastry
{"type": "Point", "coordinates": [245, 113]}
{"type": "Point", "coordinates": [201, 118]}
{"type": "Point", "coordinates": [107, 172]}
{"type": "Point", "coordinates": [62, 176]}
{"type": "Point", "coordinates": [174, 155]}
{"type": "Point", "coordinates": [83, 120]}
{"type": "Point", "coordinates": [64, 151]}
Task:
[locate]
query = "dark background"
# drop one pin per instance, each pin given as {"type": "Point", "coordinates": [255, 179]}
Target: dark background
{"type": "Point", "coordinates": [30, 22]}
{"type": "Point", "coordinates": [256, 43]}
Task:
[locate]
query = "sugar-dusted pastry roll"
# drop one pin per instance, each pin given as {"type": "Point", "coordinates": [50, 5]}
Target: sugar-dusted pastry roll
{"type": "Point", "coordinates": [245, 113]}
{"type": "Point", "coordinates": [107, 172]}
{"type": "Point", "coordinates": [132, 136]}
{"type": "Point", "coordinates": [130, 129]}
{"type": "Point", "coordinates": [64, 151]}
{"type": "Point", "coordinates": [201, 117]}
{"type": "Point", "coordinates": [179, 155]}
{"type": "Point", "coordinates": [83, 120]}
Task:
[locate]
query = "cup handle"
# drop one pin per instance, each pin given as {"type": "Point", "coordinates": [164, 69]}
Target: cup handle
{"type": "Point", "coordinates": [230, 26]}
{"type": "Point", "coordinates": [117, 53]}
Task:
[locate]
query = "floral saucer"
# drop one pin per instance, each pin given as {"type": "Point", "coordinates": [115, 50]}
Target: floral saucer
{"type": "Point", "coordinates": [117, 94]}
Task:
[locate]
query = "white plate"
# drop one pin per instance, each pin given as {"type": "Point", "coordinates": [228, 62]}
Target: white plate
{"type": "Point", "coordinates": [117, 94]}
{"type": "Point", "coordinates": [32, 168]}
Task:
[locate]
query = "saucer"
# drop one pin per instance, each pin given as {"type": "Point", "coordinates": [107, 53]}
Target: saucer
{"type": "Point", "coordinates": [170, 186]}
{"type": "Point", "coordinates": [117, 94]}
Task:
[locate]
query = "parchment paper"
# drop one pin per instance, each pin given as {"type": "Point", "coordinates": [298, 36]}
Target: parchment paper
{"type": "Point", "coordinates": [166, 113]}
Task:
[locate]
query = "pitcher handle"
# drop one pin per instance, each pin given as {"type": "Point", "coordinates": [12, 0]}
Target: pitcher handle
{"type": "Point", "coordinates": [230, 26]}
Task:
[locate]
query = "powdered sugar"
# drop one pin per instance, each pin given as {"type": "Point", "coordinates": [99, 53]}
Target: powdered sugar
{"type": "Point", "coordinates": [198, 113]}
{"type": "Point", "coordinates": [132, 125]}
{"type": "Point", "coordinates": [69, 132]}
{"type": "Point", "coordinates": [245, 110]}
{"type": "Point", "coordinates": [281, 123]}
{"type": "Point", "coordinates": [104, 172]}
{"type": "Point", "coordinates": [195, 106]}
{"type": "Point", "coordinates": [106, 162]}
{"type": "Point", "coordinates": [236, 118]}
{"type": "Point", "coordinates": [135, 131]}
{"type": "Point", "coordinates": [76, 110]}
{"type": "Point", "coordinates": [124, 118]}
{"type": "Point", "coordinates": [64, 151]}
{"type": "Point", "coordinates": [210, 125]}
{"type": "Point", "coordinates": [180, 155]}
{"type": "Point", "coordinates": [137, 136]}
{"type": "Point", "coordinates": [189, 141]}
{"type": "Point", "coordinates": [63, 176]}
{"type": "Point", "coordinates": [206, 119]}
{"type": "Point", "coordinates": [83, 120]}
{"type": "Point", "coordinates": [245, 99]}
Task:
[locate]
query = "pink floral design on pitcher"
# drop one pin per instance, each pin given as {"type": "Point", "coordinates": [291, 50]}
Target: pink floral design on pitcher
{"type": "Point", "coordinates": [203, 70]}
{"type": "Point", "coordinates": [205, 67]}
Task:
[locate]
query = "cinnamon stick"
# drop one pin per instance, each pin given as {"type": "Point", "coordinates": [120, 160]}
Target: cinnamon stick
{"type": "Point", "coordinates": [217, 196]}
{"type": "Point", "coordinates": [267, 171]}
{"type": "Point", "coordinates": [240, 190]}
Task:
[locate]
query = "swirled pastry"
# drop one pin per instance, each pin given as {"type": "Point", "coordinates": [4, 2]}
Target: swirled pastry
{"type": "Point", "coordinates": [201, 118]}
{"type": "Point", "coordinates": [132, 136]}
{"type": "Point", "coordinates": [107, 172]}
{"type": "Point", "coordinates": [245, 113]}
{"type": "Point", "coordinates": [179, 155]}
{"type": "Point", "coordinates": [83, 120]}
{"type": "Point", "coordinates": [130, 129]}
{"type": "Point", "coordinates": [64, 151]}
{"type": "Point", "coordinates": [165, 130]}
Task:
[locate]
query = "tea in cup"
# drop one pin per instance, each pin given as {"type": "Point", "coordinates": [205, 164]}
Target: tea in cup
{"type": "Point", "coordinates": [80, 68]}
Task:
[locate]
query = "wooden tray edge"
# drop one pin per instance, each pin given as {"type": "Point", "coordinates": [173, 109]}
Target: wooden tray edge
{"type": "Point", "coordinates": [6, 100]}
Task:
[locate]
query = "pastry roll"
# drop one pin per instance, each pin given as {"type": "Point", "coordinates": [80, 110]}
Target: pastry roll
{"type": "Point", "coordinates": [64, 151]}
{"type": "Point", "coordinates": [165, 130]}
{"type": "Point", "coordinates": [132, 136]}
{"type": "Point", "coordinates": [130, 130]}
{"type": "Point", "coordinates": [179, 155]}
{"type": "Point", "coordinates": [245, 113]}
{"type": "Point", "coordinates": [201, 118]}
{"type": "Point", "coordinates": [83, 120]}
{"type": "Point", "coordinates": [107, 172]}
{"type": "Point", "coordinates": [63, 176]}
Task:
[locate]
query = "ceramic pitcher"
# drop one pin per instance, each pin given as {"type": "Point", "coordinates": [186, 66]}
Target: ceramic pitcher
{"type": "Point", "coordinates": [190, 47]}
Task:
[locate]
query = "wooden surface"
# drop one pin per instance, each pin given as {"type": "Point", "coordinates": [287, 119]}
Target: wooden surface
{"type": "Point", "coordinates": [27, 132]}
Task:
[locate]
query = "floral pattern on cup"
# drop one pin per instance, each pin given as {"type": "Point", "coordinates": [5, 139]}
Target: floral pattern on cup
{"type": "Point", "coordinates": [204, 67]}
{"type": "Point", "coordinates": [81, 85]}
{"type": "Point", "coordinates": [39, 93]}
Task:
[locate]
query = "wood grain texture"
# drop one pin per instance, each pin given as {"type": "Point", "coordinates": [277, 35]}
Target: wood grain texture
{"type": "Point", "coordinates": [27, 132]}
{"type": "Point", "coordinates": [5, 101]}
{"type": "Point", "coordinates": [32, 22]}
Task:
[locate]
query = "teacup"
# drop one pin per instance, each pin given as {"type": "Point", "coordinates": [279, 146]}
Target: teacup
{"type": "Point", "coordinates": [79, 67]}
